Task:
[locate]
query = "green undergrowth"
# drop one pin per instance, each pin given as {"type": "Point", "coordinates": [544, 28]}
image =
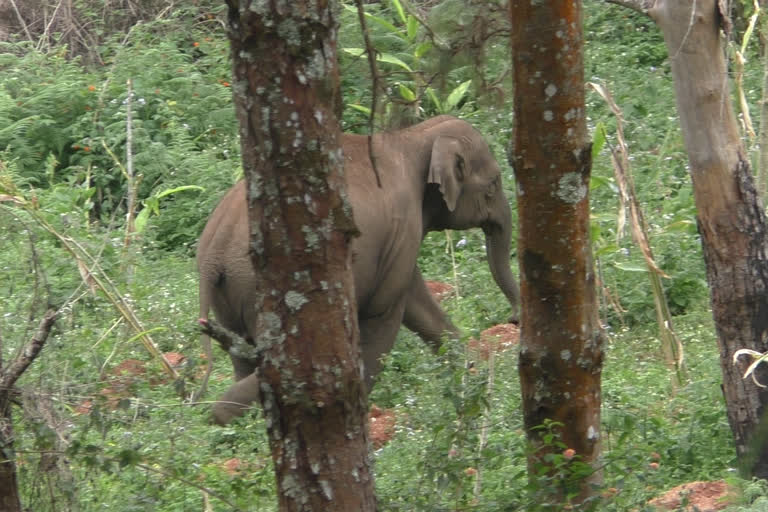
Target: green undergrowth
{"type": "Point", "coordinates": [144, 450]}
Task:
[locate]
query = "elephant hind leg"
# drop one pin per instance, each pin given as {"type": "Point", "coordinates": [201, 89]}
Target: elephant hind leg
{"type": "Point", "coordinates": [377, 337]}
{"type": "Point", "coordinates": [237, 400]}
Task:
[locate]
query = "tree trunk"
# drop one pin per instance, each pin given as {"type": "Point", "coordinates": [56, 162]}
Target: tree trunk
{"type": "Point", "coordinates": [730, 214]}
{"type": "Point", "coordinates": [286, 92]}
{"type": "Point", "coordinates": [9, 374]}
{"type": "Point", "coordinates": [9, 486]}
{"type": "Point", "coordinates": [561, 342]}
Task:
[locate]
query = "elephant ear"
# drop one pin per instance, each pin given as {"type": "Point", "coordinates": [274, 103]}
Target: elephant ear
{"type": "Point", "coordinates": [446, 169]}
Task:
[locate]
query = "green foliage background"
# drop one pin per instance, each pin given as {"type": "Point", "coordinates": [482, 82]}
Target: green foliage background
{"type": "Point", "coordinates": [63, 117]}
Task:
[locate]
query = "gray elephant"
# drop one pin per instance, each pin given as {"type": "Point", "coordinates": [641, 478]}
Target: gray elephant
{"type": "Point", "coordinates": [436, 175]}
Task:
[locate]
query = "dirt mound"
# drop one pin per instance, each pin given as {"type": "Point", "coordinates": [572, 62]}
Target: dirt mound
{"type": "Point", "coordinates": [697, 496]}
{"type": "Point", "coordinates": [498, 338]}
{"type": "Point", "coordinates": [440, 291]}
{"type": "Point", "coordinates": [121, 378]}
{"type": "Point", "coordinates": [381, 425]}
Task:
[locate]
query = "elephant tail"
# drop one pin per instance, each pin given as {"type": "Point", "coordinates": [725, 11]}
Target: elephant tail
{"type": "Point", "coordinates": [205, 339]}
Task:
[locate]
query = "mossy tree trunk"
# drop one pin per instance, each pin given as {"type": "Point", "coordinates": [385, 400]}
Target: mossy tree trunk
{"type": "Point", "coordinates": [731, 217]}
{"type": "Point", "coordinates": [561, 341]}
{"type": "Point", "coordinates": [286, 92]}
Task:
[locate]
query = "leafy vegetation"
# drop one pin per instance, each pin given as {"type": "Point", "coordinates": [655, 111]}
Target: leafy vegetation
{"type": "Point", "coordinates": [138, 448]}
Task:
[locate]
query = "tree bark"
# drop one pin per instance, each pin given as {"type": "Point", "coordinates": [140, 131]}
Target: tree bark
{"type": "Point", "coordinates": [730, 214]}
{"type": "Point", "coordinates": [286, 92]}
{"type": "Point", "coordinates": [561, 341]}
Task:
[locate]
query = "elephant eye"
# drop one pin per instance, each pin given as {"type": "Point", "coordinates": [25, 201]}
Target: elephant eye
{"type": "Point", "coordinates": [459, 168]}
{"type": "Point", "coordinates": [492, 188]}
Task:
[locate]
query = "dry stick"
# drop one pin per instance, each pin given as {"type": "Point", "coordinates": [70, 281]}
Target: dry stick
{"type": "Point", "coordinates": [739, 73]}
{"type": "Point", "coordinates": [45, 35]}
{"type": "Point", "coordinates": [21, 21]}
{"type": "Point", "coordinates": [671, 344]}
{"type": "Point", "coordinates": [371, 52]}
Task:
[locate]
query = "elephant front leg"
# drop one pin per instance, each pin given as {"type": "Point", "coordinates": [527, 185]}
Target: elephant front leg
{"type": "Point", "coordinates": [424, 316]}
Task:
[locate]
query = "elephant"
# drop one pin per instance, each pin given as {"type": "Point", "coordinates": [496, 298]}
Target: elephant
{"type": "Point", "coordinates": [436, 175]}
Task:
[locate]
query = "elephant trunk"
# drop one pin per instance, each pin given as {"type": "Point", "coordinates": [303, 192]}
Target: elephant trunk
{"type": "Point", "coordinates": [498, 234]}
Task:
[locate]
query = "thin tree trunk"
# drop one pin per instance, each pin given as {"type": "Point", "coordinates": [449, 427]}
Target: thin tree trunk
{"type": "Point", "coordinates": [286, 91]}
{"type": "Point", "coordinates": [561, 341]}
{"type": "Point", "coordinates": [9, 485]}
{"type": "Point", "coordinates": [730, 214]}
{"type": "Point", "coordinates": [9, 374]}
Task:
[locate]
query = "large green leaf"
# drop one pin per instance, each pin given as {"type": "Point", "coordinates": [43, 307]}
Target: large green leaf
{"type": "Point", "coordinates": [456, 95]}
{"type": "Point", "coordinates": [400, 10]}
{"type": "Point", "coordinates": [382, 57]}
{"type": "Point", "coordinates": [376, 19]}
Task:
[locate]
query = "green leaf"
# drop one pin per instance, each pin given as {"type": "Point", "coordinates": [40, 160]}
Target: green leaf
{"type": "Point", "coordinates": [596, 182]}
{"type": "Point", "coordinates": [391, 59]}
{"type": "Point", "coordinates": [608, 249]}
{"type": "Point", "coordinates": [411, 27]}
{"type": "Point", "coordinates": [182, 188]}
{"type": "Point", "coordinates": [456, 95]}
{"type": "Point", "coordinates": [598, 140]}
{"type": "Point", "coordinates": [379, 21]}
{"type": "Point", "coordinates": [383, 57]}
{"type": "Point", "coordinates": [360, 108]}
{"type": "Point", "coordinates": [421, 49]}
{"type": "Point", "coordinates": [400, 10]}
{"type": "Point", "coordinates": [631, 267]}
{"type": "Point", "coordinates": [406, 93]}
{"type": "Point", "coordinates": [432, 96]}
{"type": "Point", "coordinates": [141, 220]}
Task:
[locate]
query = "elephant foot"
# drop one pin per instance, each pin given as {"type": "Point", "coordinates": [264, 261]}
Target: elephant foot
{"type": "Point", "coordinates": [224, 412]}
{"type": "Point", "coordinates": [237, 400]}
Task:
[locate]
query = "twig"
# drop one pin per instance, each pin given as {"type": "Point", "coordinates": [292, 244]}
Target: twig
{"type": "Point", "coordinates": [46, 32]}
{"type": "Point", "coordinates": [21, 21]}
{"type": "Point", "coordinates": [371, 52]}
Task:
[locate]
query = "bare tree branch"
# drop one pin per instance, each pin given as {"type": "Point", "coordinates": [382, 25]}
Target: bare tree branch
{"type": "Point", "coordinates": [229, 341]}
{"type": "Point", "coordinates": [9, 376]}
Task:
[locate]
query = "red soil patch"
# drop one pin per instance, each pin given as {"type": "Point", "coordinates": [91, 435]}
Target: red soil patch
{"type": "Point", "coordinates": [497, 339]}
{"type": "Point", "coordinates": [701, 497]}
{"type": "Point", "coordinates": [120, 379]}
{"type": "Point", "coordinates": [381, 425]}
{"type": "Point", "coordinates": [440, 291]}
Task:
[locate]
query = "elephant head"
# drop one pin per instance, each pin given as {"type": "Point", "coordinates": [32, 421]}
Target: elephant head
{"type": "Point", "coordinates": [464, 190]}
